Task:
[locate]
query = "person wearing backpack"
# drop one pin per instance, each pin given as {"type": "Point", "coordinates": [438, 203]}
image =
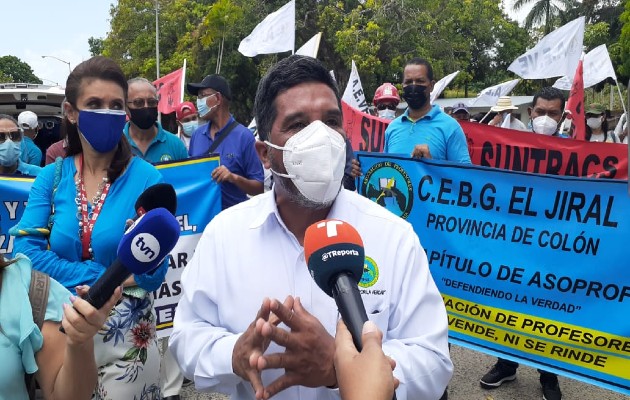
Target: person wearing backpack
{"type": "Point", "coordinates": [32, 309]}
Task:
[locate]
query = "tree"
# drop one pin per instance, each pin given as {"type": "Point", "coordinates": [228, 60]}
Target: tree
{"type": "Point", "coordinates": [542, 13]}
{"type": "Point", "coordinates": [96, 46]}
{"type": "Point", "coordinates": [16, 70]}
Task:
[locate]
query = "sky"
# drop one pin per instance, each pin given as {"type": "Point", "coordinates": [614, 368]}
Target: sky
{"type": "Point", "coordinates": [31, 29]}
{"type": "Point", "coordinates": [60, 28]}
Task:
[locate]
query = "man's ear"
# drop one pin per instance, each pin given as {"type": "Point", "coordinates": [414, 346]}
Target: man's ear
{"type": "Point", "coordinates": [263, 154]}
{"type": "Point", "coordinates": [529, 112]}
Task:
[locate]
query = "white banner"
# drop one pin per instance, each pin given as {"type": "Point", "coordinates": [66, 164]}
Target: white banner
{"type": "Point", "coordinates": [557, 54]}
{"type": "Point", "coordinates": [354, 94]}
{"type": "Point", "coordinates": [440, 85]}
{"type": "Point", "coordinates": [597, 67]}
{"type": "Point", "coordinates": [275, 34]}
{"type": "Point", "coordinates": [490, 95]}
{"type": "Point", "coordinates": [311, 47]}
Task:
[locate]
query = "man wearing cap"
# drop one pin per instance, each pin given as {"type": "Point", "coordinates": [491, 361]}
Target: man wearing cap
{"type": "Point", "coordinates": [240, 173]}
{"type": "Point", "coordinates": [424, 130]}
{"type": "Point", "coordinates": [146, 136]}
{"type": "Point", "coordinates": [386, 100]}
{"type": "Point", "coordinates": [187, 121]}
{"type": "Point", "coordinates": [504, 117]}
{"type": "Point", "coordinates": [31, 154]}
{"type": "Point", "coordinates": [460, 112]}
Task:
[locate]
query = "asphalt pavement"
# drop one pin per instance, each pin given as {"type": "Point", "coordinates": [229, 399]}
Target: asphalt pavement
{"type": "Point", "coordinates": [469, 367]}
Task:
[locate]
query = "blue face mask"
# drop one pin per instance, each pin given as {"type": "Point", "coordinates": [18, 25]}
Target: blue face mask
{"type": "Point", "coordinates": [102, 128]}
{"type": "Point", "coordinates": [10, 153]}
{"type": "Point", "coordinates": [202, 106]}
{"type": "Point", "coordinates": [189, 127]}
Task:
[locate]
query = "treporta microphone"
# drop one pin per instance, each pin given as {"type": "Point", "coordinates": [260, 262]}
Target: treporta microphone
{"type": "Point", "coordinates": [335, 257]}
{"type": "Point", "coordinates": [156, 196]}
{"type": "Point", "coordinates": [142, 249]}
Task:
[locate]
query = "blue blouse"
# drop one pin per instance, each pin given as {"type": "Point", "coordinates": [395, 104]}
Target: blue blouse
{"type": "Point", "coordinates": [20, 338]}
{"type": "Point", "coordinates": [64, 263]}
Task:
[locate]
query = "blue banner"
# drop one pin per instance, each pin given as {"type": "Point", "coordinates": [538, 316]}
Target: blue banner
{"type": "Point", "coordinates": [198, 201]}
{"type": "Point", "coordinates": [531, 267]}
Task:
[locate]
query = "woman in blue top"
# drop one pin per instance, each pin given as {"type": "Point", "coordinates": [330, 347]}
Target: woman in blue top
{"type": "Point", "coordinates": [63, 364]}
{"type": "Point", "coordinates": [84, 202]}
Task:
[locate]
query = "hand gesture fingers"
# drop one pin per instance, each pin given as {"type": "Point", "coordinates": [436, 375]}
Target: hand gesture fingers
{"type": "Point", "coordinates": [82, 321]}
{"type": "Point", "coordinates": [420, 151]}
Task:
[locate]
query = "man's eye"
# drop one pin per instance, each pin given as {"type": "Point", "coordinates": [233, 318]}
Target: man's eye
{"type": "Point", "coordinates": [333, 123]}
{"type": "Point", "coordinates": [297, 126]}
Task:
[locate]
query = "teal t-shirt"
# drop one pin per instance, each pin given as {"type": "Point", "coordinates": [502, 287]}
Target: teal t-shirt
{"type": "Point", "coordinates": [20, 338]}
{"type": "Point", "coordinates": [164, 147]}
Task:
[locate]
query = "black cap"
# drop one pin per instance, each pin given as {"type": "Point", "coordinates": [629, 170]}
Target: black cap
{"type": "Point", "coordinates": [216, 82]}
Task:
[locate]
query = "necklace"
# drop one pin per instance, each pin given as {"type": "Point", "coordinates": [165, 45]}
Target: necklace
{"type": "Point", "coordinates": [87, 217]}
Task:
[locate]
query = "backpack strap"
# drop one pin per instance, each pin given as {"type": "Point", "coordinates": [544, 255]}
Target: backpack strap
{"type": "Point", "coordinates": [217, 141]}
{"type": "Point", "coordinates": [38, 297]}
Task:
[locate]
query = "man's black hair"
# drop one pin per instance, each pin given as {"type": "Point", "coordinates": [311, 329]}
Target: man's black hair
{"type": "Point", "coordinates": [287, 73]}
{"type": "Point", "coordinates": [422, 61]}
{"type": "Point", "coordinates": [549, 93]}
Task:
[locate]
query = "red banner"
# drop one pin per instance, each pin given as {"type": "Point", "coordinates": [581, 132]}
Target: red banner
{"type": "Point", "coordinates": [575, 104]}
{"type": "Point", "coordinates": [169, 90]}
{"type": "Point", "coordinates": [509, 149]}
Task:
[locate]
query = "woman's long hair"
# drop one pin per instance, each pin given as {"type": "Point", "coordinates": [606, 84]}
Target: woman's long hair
{"type": "Point", "coordinates": [102, 68]}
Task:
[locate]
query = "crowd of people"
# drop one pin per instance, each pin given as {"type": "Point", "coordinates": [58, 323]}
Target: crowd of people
{"type": "Point", "coordinates": [251, 326]}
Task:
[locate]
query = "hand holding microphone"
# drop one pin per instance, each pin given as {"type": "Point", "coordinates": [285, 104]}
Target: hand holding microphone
{"type": "Point", "coordinates": [335, 257]}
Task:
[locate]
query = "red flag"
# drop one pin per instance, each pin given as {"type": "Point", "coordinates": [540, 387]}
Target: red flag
{"type": "Point", "coordinates": [575, 105]}
{"type": "Point", "coordinates": [169, 90]}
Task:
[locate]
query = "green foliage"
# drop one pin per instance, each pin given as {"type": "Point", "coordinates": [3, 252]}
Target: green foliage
{"type": "Point", "coordinates": [12, 69]}
{"type": "Point", "coordinates": [96, 46]}
{"type": "Point", "coordinates": [621, 52]}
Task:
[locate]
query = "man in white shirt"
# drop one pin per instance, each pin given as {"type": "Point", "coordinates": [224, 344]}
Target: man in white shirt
{"type": "Point", "coordinates": [251, 321]}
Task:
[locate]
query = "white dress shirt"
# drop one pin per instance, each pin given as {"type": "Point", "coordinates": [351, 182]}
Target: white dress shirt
{"type": "Point", "coordinates": [246, 253]}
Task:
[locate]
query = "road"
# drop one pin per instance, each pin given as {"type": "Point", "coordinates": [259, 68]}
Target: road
{"type": "Point", "coordinates": [469, 367]}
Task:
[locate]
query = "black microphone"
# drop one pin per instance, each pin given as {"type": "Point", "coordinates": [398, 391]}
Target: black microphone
{"type": "Point", "coordinates": [142, 249]}
{"type": "Point", "coordinates": [160, 195]}
{"type": "Point", "coordinates": [335, 258]}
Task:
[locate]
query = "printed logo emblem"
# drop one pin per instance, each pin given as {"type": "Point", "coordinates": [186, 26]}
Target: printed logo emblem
{"type": "Point", "coordinates": [370, 273]}
{"type": "Point", "coordinates": [166, 157]}
{"type": "Point", "coordinates": [389, 185]}
{"type": "Point", "coordinates": [145, 247]}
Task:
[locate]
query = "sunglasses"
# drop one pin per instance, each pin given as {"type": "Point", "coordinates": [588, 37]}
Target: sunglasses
{"type": "Point", "coordinates": [140, 103]}
{"type": "Point", "coordinates": [382, 107]}
{"type": "Point", "coordinates": [15, 136]}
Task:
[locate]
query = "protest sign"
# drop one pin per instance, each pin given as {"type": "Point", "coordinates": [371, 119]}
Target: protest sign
{"type": "Point", "coordinates": [170, 90]}
{"type": "Point", "coordinates": [275, 34]}
{"type": "Point", "coordinates": [528, 265]}
{"type": "Point", "coordinates": [354, 95]}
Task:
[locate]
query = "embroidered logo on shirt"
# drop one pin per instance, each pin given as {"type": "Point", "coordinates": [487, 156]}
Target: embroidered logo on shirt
{"type": "Point", "coordinates": [166, 157]}
{"type": "Point", "coordinates": [389, 185]}
{"type": "Point", "coordinates": [370, 273]}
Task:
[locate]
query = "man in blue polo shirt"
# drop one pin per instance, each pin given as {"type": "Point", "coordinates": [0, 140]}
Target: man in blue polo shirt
{"type": "Point", "coordinates": [146, 136]}
{"type": "Point", "coordinates": [424, 130]}
{"type": "Point", "coordinates": [241, 172]}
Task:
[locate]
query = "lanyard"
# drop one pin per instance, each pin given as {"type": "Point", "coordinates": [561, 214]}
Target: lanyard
{"type": "Point", "coordinates": [88, 220]}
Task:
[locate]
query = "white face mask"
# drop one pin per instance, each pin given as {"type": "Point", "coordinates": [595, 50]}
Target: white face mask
{"type": "Point", "coordinates": [315, 159]}
{"type": "Point", "coordinates": [545, 125]}
{"type": "Point", "coordinates": [387, 114]}
{"type": "Point", "coordinates": [594, 123]}
{"type": "Point", "coordinates": [189, 127]}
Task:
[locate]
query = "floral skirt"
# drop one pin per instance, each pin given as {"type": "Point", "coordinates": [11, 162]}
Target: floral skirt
{"type": "Point", "coordinates": [127, 353]}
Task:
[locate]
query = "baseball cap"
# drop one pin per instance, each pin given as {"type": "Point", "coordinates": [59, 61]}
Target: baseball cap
{"type": "Point", "coordinates": [185, 109]}
{"type": "Point", "coordinates": [595, 108]}
{"type": "Point", "coordinates": [28, 120]}
{"type": "Point", "coordinates": [216, 82]}
{"type": "Point", "coordinates": [460, 107]}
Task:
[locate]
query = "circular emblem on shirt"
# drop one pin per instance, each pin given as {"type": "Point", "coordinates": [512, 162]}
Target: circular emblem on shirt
{"type": "Point", "coordinates": [370, 273]}
{"type": "Point", "coordinates": [166, 157]}
{"type": "Point", "coordinates": [389, 185]}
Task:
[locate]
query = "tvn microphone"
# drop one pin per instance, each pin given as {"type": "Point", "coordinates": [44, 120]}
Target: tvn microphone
{"type": "Point", "coordinates": [142, 249]}
{"type": "Point", "coordinates": [160, 195]}
{"type": "Point", "coordinates": [335, 257]}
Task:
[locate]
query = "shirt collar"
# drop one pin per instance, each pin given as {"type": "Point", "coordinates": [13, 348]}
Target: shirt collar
{"type": "Point", "coordinates": [208, 125]}
{"type": "Point", "coordinates": [159, 137]}
{"type": "Point", "coordinates": [433, 112]}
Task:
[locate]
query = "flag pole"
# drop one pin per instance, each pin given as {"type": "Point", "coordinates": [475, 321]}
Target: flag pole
{"type": "Point", "coordinates": [621, 98]}
{"type": "Point", "coordinates": [183, 81]}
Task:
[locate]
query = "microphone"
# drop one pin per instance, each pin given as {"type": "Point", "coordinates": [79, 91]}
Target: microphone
{"type": "Point", "coordinates": [142, 249]}
{"type": "Point", "coordinates": [156, 196]}
{"type": "Point", "coordinates": [335, 257]}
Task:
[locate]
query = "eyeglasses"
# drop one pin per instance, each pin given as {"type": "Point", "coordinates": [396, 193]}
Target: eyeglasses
{"type": "Point", "coordinates": [140, 103]}
{"type": "Point", "coordinates": [15, 136]}
{"type": "Point", "coordinates": [206, 95]}
{"type": "Point", "coordinates": [382, 107]}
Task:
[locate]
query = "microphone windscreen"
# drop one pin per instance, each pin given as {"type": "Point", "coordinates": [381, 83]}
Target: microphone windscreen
{"type": "Point", "coordinates": [148, 241]}
{"type": "Point", "coordinates": [160, 195]}
{"type": "Point", "coordinates": [332, 247]}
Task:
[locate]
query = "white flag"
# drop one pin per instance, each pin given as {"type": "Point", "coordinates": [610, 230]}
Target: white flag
{"type": "Point", "coordinates": [490, 95]}
{"type": "Point", "coordinates": [557, 54]}
{"type": "Point", "coordinates": [275, 34]}
{"type": "Point", "coordinates": [440, 85]}
{"type": "Point", "coordinates": [353, 95]}
{"type": "Point", "coordinates": [311, 47]}
{"type": "Point", "coordinates": [597, 67]}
